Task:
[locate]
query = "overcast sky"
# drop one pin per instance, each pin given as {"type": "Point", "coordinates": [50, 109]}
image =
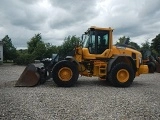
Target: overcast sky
{"type": "Point", "coordinates": [56, 19]}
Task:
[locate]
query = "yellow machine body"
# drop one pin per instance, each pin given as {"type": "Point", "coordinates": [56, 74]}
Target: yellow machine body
{"type": "Point", "coordinates": [101, 61]}
{"type": "Point", "coordinates": [119, 64]}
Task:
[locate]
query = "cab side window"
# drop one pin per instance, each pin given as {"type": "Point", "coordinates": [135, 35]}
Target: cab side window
{"type": "Point", "coordinates": [103, 39]}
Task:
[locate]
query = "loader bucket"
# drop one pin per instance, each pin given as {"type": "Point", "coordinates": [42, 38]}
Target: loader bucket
{"type": "Point", "coordinates": [29, 77]}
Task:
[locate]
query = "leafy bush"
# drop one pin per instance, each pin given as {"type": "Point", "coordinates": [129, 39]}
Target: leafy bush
{"type": "Point", "coordinates": [24, 59]}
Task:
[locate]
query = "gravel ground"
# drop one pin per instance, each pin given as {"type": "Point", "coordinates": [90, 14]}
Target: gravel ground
{"type": "Point", "coordinates": [90, 99]}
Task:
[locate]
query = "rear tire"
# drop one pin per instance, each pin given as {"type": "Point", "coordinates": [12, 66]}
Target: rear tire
{"type": "Point", "coordinates": [65, 73]}
{"type": "Point", "coordinates": [121, 75]}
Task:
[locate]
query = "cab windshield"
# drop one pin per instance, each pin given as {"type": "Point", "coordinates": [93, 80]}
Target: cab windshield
{"type": "Point", "coordinates": [85, 40]}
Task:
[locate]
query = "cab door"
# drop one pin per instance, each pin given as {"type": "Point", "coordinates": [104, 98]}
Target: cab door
{"type": "Point", "coordinates": [98, 42]}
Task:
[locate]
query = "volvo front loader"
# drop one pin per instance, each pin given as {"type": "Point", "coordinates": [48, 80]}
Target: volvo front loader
{"type": "Point", "coordinates": [99, 57]}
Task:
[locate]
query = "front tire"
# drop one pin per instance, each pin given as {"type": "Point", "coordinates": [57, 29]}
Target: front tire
{"type": "Point", "coordinates": [65, 73]}
{"type": "Point", "coordinates": [121, 75]}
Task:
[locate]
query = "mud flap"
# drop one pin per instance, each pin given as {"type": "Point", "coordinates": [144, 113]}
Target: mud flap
{"type": "Point", "coordinates": [29, 77]}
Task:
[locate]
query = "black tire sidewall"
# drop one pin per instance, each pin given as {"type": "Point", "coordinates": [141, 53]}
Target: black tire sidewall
{"type": "Point", "coordinates": [152, 67]}
{"type": "Point", "coordinates": [60, 65]}
{"type": "Point", "coordinates": [113, 75]}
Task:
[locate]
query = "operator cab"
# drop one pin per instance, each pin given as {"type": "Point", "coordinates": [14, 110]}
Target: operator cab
{"type": "Point", "coordinates": [96, 40]}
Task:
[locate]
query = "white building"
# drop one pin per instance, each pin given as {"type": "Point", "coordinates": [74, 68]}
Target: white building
{"type": "Point", "coordinates": [1, 52]}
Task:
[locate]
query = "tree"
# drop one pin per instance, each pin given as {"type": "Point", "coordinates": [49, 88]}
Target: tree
{"type": "Point", "coordinates": [146, 46]}
{"type": "Point", "coordinates": [131, 44]}
{"type": "Point", "coordinates": [50, 49]}
{"type": "Point", "coordinates": [32, 44]}
{"type": "Point", "coordinates": [36, 50]}
{"type": "Point", "coordinates": [36, 47]}
{"type": "Point", "coordinates": [135, 45]}
{"type": "Point", "coordinates": [122, 39]}
{"type": "Point", "coordinates": [155, 44]}
{"type": "Point", "coordinates": [8, 49]}
{"type": "Point", "coordinates": [145, 49]}
{"type": "Point", "coordinates": [39, 51]}
{"type": "Point", "coordinates": [68, 45]}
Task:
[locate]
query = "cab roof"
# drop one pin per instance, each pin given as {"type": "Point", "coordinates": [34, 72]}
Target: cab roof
{"type": "Point", "coordinates": [101, 28]}
{"type": "Point", "coordinates": [98, 28]}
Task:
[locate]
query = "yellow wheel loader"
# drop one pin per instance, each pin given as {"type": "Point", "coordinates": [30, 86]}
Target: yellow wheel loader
{"type": "Point", "coordinates": [118, 64]}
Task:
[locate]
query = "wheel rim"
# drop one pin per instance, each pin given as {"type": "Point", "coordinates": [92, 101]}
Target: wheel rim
{"type": "Point", "coordinates": [65, 74]}
{"type": "Point", "coordinates": [123, 75]}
